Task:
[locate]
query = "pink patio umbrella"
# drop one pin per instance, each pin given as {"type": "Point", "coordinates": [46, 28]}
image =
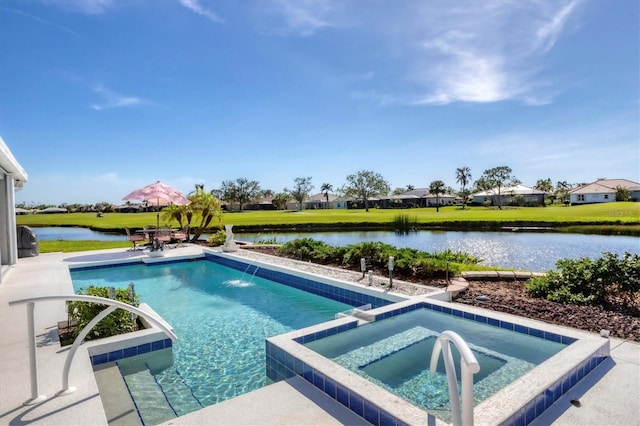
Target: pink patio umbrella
{"type": "Point", "coordinates": [158, 192]}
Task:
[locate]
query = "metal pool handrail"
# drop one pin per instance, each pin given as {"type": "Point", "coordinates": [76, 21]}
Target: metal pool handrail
{"type": "Point", "coordinates": [112, 306]}
{"type": "Point", "coordinates": [468, 367]}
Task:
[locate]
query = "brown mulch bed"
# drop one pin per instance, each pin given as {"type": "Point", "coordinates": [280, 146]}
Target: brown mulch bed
{"type": "Point", "coordinates": [511, 297]}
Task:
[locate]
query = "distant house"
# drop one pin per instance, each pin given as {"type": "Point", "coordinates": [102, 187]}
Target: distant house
{"type": "Point", "coordinates": [316, 201]}
{"type": "Point", "coordinates": [265, 203]}
{"type": "Point", "coordinates": [603, 191]}
{"type": "Point", "coordinates": [341, 203]}
{"type": "Point", "coordinates": [52, 210]}
{"type": "Point", "coordinates": [516, 194]}
{"type": "Point", "coordinates": [421, 197]}
{"type": "Point", "coordinates": [128, 208]}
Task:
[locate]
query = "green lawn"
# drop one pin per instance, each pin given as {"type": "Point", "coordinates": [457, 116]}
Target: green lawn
{"type": "Point", "coordinates": [621, 213]}
{"type": "Point", "coordinates": [70, 246]}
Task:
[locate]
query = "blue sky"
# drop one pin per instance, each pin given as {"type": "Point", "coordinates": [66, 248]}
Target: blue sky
{"type": "Point", "coordinates": [100, 97]}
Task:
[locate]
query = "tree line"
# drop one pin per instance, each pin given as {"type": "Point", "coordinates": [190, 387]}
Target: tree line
{"type": "Point", "coordinates": [362, 185]}
{"type": "Point", "coordinates": [366, 184]}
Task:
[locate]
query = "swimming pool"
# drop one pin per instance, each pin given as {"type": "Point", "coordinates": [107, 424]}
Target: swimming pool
{"type": "Point", "coordinates": [222, 317]}
{"type": "Point", "coordinates": [286, 356]}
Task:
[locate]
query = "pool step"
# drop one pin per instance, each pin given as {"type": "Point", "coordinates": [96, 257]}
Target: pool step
{"type": "Point", "coordinates": [116, 401]}
{"type": "Point", "coordinates": [179, 393]}
{"type": "Point", "coordinates": [150, 400]}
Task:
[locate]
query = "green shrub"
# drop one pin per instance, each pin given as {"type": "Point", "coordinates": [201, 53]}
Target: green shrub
{"type": "Point", "coordinates": [436, 268]}
{"type": "Point", "coordinates": [117, 322]}
{"type": "Point", "coordinates": [408, 262]}
{"type": "Point", "coordinates": [309, 249]}
{"type": "Point", "coordinates": [590, 281]}
{"type": "Point", "coordinates": [376, 253]}
{"type": "Point", "coordinates": [218, 238]}
{"type": "Point", "coordinates": [268, 241]}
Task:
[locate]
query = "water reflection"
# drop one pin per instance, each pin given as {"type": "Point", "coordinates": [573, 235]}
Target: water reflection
{"type": "Point", "coordinates": [525, 251]}
{"type": "Point", "coordinates": [72, 233]}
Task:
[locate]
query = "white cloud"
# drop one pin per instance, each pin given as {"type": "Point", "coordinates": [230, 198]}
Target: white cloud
{"type": "Point", "coordinates": [548, 33]}
{"type": "Point", "coordinates": [90, 7]}
{"type": "Point", "coordinates": [486, 51]}
{"type": "Point", "coordinates": [462, 51]}
{"type": "Point", "coordinates": [43, 21]}
{"type": "Point", "coordinates": [111, 99]}
{"type": "Point", "coordinates": [305, 17]}
{"type": "Point", "coordinates": [195, 6]}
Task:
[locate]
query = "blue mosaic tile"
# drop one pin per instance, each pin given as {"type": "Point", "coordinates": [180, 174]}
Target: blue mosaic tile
{"type": "Point", "coordinates": [530, 413]}
{"type": "Point", "coordinates": [537, 333]}
{"type": "Point", "coordinates": [144, 348]}
{"type": "Point", "coordinates": [156, 346]}
{"type": "Point", "coordinates": [540, 404]}
{"type": "Point", "coordinates": [387, 419]}
{"type": "Point", "coordinates": [549, 398]}
{"type": "Point", "coordinates": [481, 318]}
{"type": "Point", "coordinates": [115, 355]}
{"type": "Point", "coordinates": [520, 329]}
{"type": "Point", "coordinates": [342, 395]}
{"type": "Point", "coordinates": [468, 315]}
{"type": "Point", "coordinates": [318, 380]}
{"type": "Point", "coordinates": [308, 375]}
{"type": "Point", "coordinates": [519, 420]}
{"type": "Point", "coordinates": [553, 337]}
{"type": "Point", "coordinates": [493, 321]}
{"type": "Point", "coordinates": [330, 388]}
{"type": "Point", "coordinates": [356, 404]}
{"type": "Point", "coordinates": [132, 351]}
{"type": "Point", "coordinates": [506, 325]}
{"type": "Point", "coordinates": [371, 413]}
{"type": "Point", "coordinates": [99, 359]}
{"type": "Point", "coordinates": [271, 373]}
{"type": "Point", "coordinates": [168, 343]}
{"type": "Point", "coordinates": [447, 310]}
{"type": "Point", "coordinates": [566, 382]}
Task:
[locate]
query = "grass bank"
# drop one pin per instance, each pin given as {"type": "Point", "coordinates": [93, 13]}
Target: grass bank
{"type": "Point", "coordinates": [622, 218]}
{"type": "Point", "coordinates": [71, 246]}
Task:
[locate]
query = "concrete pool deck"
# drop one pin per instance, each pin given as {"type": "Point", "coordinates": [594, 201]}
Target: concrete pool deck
{"type": "Point", "coordinates": [607, 396]}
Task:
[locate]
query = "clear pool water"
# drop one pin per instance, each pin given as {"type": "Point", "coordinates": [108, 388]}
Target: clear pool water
{"type": "Point", "coordinates": [221, 317]}
{"type": "Point", "coordinates": [395, 353]}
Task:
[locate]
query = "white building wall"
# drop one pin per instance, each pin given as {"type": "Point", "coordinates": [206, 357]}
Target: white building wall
{"type": "Point", "coordinates": [8, 233]}
{"type": "Point", "coordinates": [592, 198]}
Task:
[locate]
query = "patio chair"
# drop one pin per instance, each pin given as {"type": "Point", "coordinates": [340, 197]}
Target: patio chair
{"type": "Point", "coordinates": [180, 236]}
{"type": "Point", "coordinates": [163, 236]}
{"type": "Point", "coordinates": [134, 239]}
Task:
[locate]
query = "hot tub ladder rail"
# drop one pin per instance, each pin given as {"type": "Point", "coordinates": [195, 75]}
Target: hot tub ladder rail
{"type": "Point", "coordinates": [468, 367]}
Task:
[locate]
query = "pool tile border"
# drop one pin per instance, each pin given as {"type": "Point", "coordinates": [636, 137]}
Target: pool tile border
{"type": "Point", "coordinates": [340, 294]}
{"type": "Point", "coordinates": [130, 351]}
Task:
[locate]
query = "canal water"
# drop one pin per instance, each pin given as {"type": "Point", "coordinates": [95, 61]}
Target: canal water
{"type": "Point", "coordinates": [529, 251]}
{"type": "Point", "coordinates": [533, 251]}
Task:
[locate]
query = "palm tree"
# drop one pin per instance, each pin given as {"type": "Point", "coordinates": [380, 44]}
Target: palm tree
{"type": "Point", "coordinates": [325, 189]}
{"type": "Point", "coordinates": [207, 206]}
{"type": "Point", "coordinates": [463, 177]}
{"type": "Point", "coordinates": [437, 187]}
